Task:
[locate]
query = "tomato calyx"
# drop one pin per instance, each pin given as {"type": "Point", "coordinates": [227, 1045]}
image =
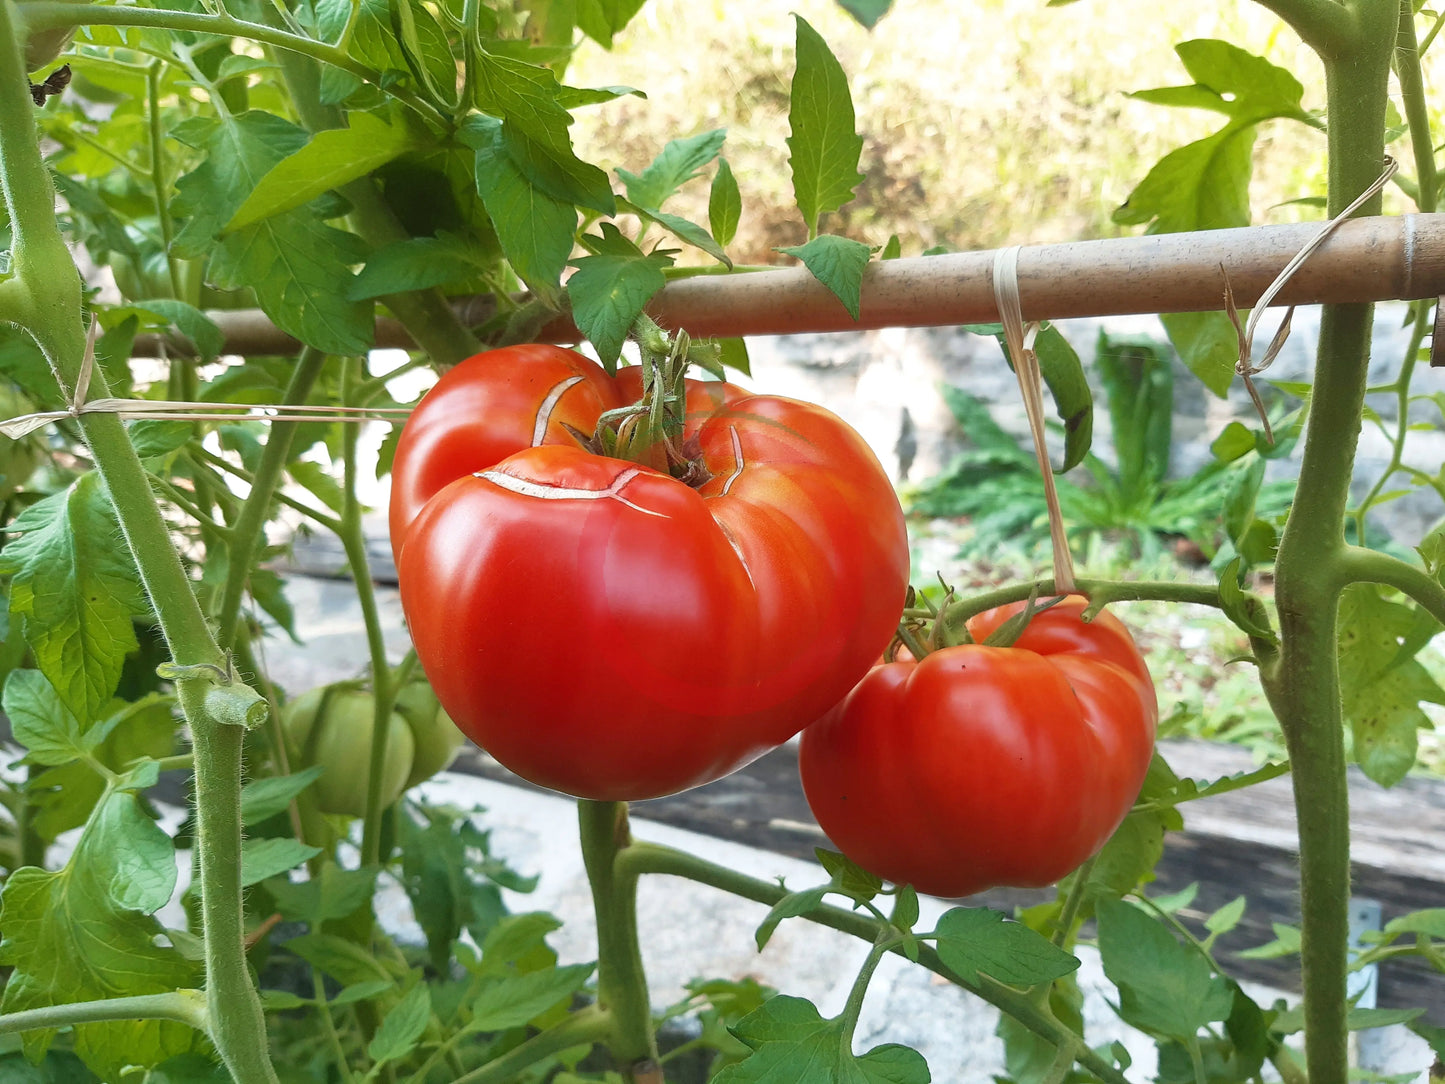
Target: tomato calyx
{"type": "Point", "coordinates": [650, 431]}
{"type": "Point", "coordinates": [922, 633]}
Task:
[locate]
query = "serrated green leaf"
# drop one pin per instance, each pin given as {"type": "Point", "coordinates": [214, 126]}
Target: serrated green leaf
{"type": "Point", "coordinates": [39, 721]}
{"type": "Point", "coordinates": [417, 263]}
{"type": "Point", "coordinates": [724, 204]}
{"type": "Point", "coordinates": [849, 877]}
{"type": "Point", "coordinates": [893, 249]}
{"type": "Point", "coordinates": [152, 438]}
{"type": "Point", "coordinates": [317, 481]}
{"type": "Point", "coordinates": [1203, 185]}
{"type": "Point", "coordinates": [600, 20]}
{"type": "Point", "coordinates": [68, 940]}
{"type": "Point", "coordinates": [791, 1042]}
{"type": "Point", "coordinates": [298, 265]}
{"type": "Point", "coordinates": [265, 858]}
{"type": "Point", "coordinates": [536, 231]}
{"type": "Point", "coordinates": [1286, 943]}
{"type": "Point", "coordinates": [735, 355]}
{"type": "Point", "coordinates": [333, 893]}
{"type": "Point", "coordinates": [77, 590]}
{"type": "Point", "coordinates": [1233, 442]}
{"type": "Point", "coordinates": [824, 147]}
{"type": "Point", "coordinates": [264, 798]}
{"type": "Point", "coordinates": [143, 877]}
{"type": "Point", "coordinates": [867, 12]}
{"type": "Point", "coordinates": [1207, 344]}
{"type": "Point", "coordinates": [330, 159]}
{"type": "Point", "coordinates": [976, 940]}
{"type": "Point", "coordinates": [1381, 691]}
{"type": "Point", "coordinates": [343, 960]}
{"type": "Point", "coordinates": [511, 1001]}
{"type": "Point", "coordinates": [838, 263]}
{"type": "Point", "coordinates": [361, 991]}
{"type": "Point", "coordinates": [679, 162]}
{"type": "Point", "coordinates": [190, 321]}
{"type": "Point", "coordinates": [1227, 917]}
{"type": "Point", "coordinates": [1165, 988]}
{"type": "Point", "coordinates": [558, 172]}
{"type": "Point", "coordinates": [681, 228]}
{"type": "Point", "coordinates": [403, 1026]}
{"type": "Point", "coordinates": [609, 290]}
{"type": "Point", "coordinates": [790, 906]}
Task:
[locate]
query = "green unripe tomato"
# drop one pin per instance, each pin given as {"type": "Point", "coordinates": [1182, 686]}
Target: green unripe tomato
{"type": "Point", "coordinates": [437, 737]}
{"type": "Point", "coordinates": [340, 741]}
{"type": "Point", "coordinates": [18, 458]}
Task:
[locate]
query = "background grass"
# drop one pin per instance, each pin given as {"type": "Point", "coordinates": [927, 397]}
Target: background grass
{"type": "Point", "coordinates": [985, 122]}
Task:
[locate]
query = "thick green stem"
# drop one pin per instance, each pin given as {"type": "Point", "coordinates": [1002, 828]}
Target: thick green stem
{"type": "Point", "coordinates": [58, 13]}
{"type": "Point", "coordinates": [640, 858]}
{"type": "Point", "coordinates": [1327, 26]}
{"type": "Point", "coordinates": [584, 1026]}
{"type": "Point", "coordinates": [383, 689]}
{"type": "Point", "coordinates": [48, 306]}
{"type": "Point", "coordinates": [1310, 571]}
{"type": "Point", "coordinates": [621, 983]}
{"type": "Point", "coordinates": [250, 524]}
{"type": "Point", "coordinates": [184, 1006]}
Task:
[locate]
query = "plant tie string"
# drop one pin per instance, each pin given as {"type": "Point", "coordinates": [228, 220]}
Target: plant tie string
{"type": "Point", "coordinates": [177, 410]}
{"type": "Point", "coordinates": [1020, 339]}
{"type": "Point", "coordinates": [1244, 367]}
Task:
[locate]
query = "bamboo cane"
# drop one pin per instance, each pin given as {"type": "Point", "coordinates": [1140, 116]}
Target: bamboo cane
{"type": "Point", "coordinates": [1368, 259]}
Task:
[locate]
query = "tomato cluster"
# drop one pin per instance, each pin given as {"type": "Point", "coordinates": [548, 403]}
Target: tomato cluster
{"type": "Point", "coordinates": [613, 632]}
{"type": "Point", "coordinates": [984, 766]}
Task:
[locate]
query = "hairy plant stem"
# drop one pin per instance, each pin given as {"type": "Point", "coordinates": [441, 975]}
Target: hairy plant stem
{"type": "Point", "coordinates": [44, 298]}
{"type": "Point", "coordinates": [584, 1026]}
{"type": "Point", "coordinates": [383, 689]}
{"type": "Point", "coordinates": [1302, 684]}
{"type": "Point", "coordinates": [639, 858]}
{"type": "Point", "coordinates": [59, 13]}
{"type": "Point", "coordinates": [184, 1006]}
{"type": "Point", "coordinates": [249, 525]}
{"type": "Point", "coordinates": [621, 982]}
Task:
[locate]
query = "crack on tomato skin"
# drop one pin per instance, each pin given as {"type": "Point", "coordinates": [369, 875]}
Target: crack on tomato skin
{"type": "Point", "coordinates": [738, 457]}
{"type": "Point", "coordinates": [549, 404]}
{"type": "Point", "coordinates": [737, 549]}
{"type": "Point", "coordinates": [528, 488]}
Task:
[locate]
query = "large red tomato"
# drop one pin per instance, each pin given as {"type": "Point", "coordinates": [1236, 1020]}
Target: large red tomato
{"type": "Point", "coordinates": [986, 766]}
{"type": "Point", "coordinates": [608, 631]}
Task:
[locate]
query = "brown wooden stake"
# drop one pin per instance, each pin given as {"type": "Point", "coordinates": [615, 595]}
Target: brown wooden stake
{"type": "Point", "coordinates": [1367, 259]}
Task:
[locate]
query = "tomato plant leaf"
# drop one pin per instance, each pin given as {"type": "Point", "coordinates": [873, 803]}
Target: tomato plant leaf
{"type": "Point", "coordinates": [77, 590]}
{"type": "Point", "coordinates": [190, 321]}
{"type": "Point", "coordinates": [824, 145]}
{"type": "Point", "coordinates": [297, 264]}
{"type": "Point", "coordinates": [600, 20]}
{"type": "Point", "coordinates": [1207, 344]}
{"type": "Point", "coordinates": [791, 1041]}
{"type": "Point", "coordinates": [417, 263]}
{"type": "Point", "coordinates": [69, 938]}
{"type": "Point", "coordinates": [333, 893]}
{"type": "Point", "coordinates": [39, 721]}
{"type": "Point", "coordinates": [402, 1027]}
{"type": "Point", "coordinates": [535, 230]}
{"type": "Point", "coordinates": [1165, 988]}
{"type": "Point", "coordinates": [790, 906]}
{"type": "Point", "coordinates": [343, 960]}
{"type": "Point", "coordinates": [1286, 943]}
{"type": "Point", "coordinates": [681, 228]}
{"type": "Point", "coordinates": [848, 877]}
{"type": "Point", "coordinates": [735, 355]}
{"type": "Point", "coordinates": [510, 1001]}
{"type": "Point", "coordinates": [867, 12]}
{"type": "Point", "coordinates": [976, 940]}
{"type": "Point", "coordinates": [263, 798]}
{"type": "Point", "coordinates": [838, 263]}
{"type": "Point", "coordinates": [610, 288]}
{"type": "Point", "coordinates": [559, 172]}
{"type": "Point", "coordinates": [679, 162]}
{"type": "Point", "coordinates": [330, 159]}
{"type": "Point", "coordinates": [1381, 691]}
{"type": "Point", "coordinates": [262, 859]}
{"type": "Point", "coordinates": [724, 204]}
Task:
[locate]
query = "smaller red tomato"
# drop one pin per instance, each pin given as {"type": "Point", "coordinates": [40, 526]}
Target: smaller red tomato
{"type": "Point", "coordinates": [987, 766]}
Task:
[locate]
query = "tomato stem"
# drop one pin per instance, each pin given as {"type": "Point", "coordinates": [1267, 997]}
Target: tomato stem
{"type": "Point", "coordinates": [887, 939]}
{"type": "Point", "coordinates": [621, 981]}
{"type": "Point", "coordinates": [640, 858]}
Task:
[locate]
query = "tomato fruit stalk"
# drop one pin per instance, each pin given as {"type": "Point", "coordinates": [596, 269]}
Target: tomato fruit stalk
{"type": "Point", "coordinates": [983, 766]}
{"type": "Point", "coordinates": [607, 630]}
